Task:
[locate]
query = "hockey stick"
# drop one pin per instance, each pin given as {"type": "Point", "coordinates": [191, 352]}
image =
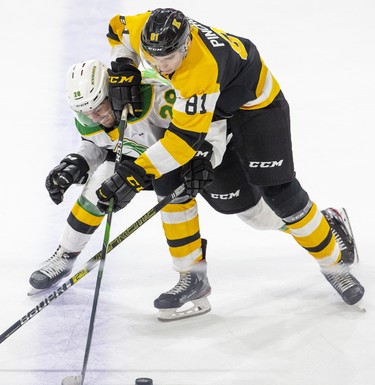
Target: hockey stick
{"type": "Point", "coordinates": [91, 264]}
{"type": "Point", "coordinates": [78, 380]}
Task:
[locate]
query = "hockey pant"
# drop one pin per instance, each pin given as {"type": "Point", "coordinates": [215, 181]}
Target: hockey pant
{"type": "Point", "coordinates": [262, 142]}
{"type": "Point", "coordinates": [229, 193]}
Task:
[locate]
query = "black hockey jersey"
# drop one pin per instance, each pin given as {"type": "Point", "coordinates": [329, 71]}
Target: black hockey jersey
{"type": "Point", "coordinates": [220, 74]}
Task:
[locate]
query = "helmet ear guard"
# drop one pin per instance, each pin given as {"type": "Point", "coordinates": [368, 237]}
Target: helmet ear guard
{"type": "Point", "coordinates": [165, 31]}
{"type": "Point", "coordinates": [87, 85]}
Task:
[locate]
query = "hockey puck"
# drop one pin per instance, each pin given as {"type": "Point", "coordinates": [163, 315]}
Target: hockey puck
{"type": "Point", "coordinates": [143, 381]}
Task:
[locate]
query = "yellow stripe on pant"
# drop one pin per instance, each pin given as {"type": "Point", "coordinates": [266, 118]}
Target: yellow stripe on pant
{"type": "Point", "coordinates": [313, 233]}
{"type": "Point", "coordinates": [181, 228]}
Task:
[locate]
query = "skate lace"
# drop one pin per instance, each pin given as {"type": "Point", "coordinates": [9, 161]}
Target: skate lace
{"type": "Point", "coordinates": [55, 264]}
{"type": "Point", "coordinates": [182, 284]}
{"type": "Point", "coordinates": [339, 240]}
{"type": "Point", "coordinates": [336, 222]}
{"type": "Point", "coordinates": [341, 279]}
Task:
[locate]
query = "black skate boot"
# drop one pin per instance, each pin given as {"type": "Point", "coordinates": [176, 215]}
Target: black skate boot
{"type": "Point", "coordinates": [339, 276]}
{"type": "Point", "coordinates": [339, 222]}
{"type": "Point", "coordinates": [52, 270]}
{"type": "Point", "coordinates": [194, 287]}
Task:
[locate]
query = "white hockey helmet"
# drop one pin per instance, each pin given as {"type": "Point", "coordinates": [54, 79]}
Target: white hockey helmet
{"type": "Point", "coordinates": [87, 85]}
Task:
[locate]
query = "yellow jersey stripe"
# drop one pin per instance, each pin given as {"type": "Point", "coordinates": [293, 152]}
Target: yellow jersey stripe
{"type": "Point", "coordinates": [269, 92]}
{"type": "Point", "coordinates": [262, 79]}
{"type": "Point", "coordinates": [117, 28]}
{"type": "Point", "coordinates": [145, 162]}
{"type": "Point", "coordinates": [166, 155]}
{"type": "Point", "coordinates": [199, 123]}
{"type": "Point", "coordinates": [135, 25]}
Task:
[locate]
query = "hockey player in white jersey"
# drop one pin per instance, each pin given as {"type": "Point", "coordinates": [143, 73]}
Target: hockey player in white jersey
{"type": "Point", "coordinates": [93, 163]}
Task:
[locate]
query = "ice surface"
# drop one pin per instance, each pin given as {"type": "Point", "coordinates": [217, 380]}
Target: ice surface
{"type": "Point", "coordinates": [274, 320]}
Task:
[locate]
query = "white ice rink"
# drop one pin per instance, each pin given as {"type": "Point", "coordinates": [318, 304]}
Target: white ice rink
{"type": "Point", "coordinates": [274, 320]}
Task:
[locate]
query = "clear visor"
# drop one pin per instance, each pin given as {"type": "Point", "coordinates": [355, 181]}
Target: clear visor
{"type": "Point", "coordinates": [83, 119]}
{"type": "Point", "coordinates": [102, 114]}
{"type": "Point", "coordinates": [148, 59]}
{"type": "Point", "coordinates": [160, 63]}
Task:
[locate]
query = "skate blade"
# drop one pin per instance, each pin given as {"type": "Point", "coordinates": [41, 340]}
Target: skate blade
{"type": "Point", "coordinates": [360, 306]}
{"type": "Point", "coordinates": [199, 307]}
{"type": "Point", "coordinates": [72, 380]}
{"type": "Point", "coordinates": [345, 217]}
{"type": "Point", "coordinates": [50, 289]}
{"type": "Point", "coordinates": [34, 292]}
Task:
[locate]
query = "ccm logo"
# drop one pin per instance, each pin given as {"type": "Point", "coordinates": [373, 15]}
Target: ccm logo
{"type": "Point", "coordinates": [202, 154]}
{"type": "Point", "coordinates": [270, 164]}
{"type": "Point", "coordinates": [226, 196]}
{"type": "Point", "coordinates": [120, 79]}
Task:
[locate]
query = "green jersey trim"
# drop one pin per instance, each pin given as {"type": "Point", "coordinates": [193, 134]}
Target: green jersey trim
{"type": "Point", "coordinates": [138, 148]}
{"type": "Point", "coordinates": [147, 94]}
{"type": "Point", "coordinates": [87, 130]}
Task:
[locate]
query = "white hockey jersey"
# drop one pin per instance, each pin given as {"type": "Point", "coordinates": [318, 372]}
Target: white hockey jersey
{"type": "Point", "coordinates": [158, 98]}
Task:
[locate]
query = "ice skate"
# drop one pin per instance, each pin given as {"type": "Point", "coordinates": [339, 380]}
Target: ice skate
{"type": "Point", "coordinates": [349, 288]}
{"type": "Point", "coordinates": [194, 288]}
{"type": "Point", "coordinates": [52, 271]}
{"type": "Point", "coordinates": [339, 222]}
{"type": "Point", "coordinates": [191, 290]}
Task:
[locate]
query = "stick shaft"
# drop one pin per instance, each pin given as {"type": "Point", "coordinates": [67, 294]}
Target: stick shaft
{"type": "Point", "coordinates": [90, 333]}
{"type": "Point", "coordinates": [90, 264]}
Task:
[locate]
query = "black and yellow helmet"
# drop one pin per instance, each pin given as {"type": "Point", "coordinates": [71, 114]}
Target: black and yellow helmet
{"type": "Point", "coordinates": [165, 31]}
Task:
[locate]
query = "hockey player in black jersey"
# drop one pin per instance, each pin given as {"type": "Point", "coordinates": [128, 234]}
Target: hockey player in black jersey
{"type": "Point", "coordinates": [93, 162]}
{"type": "Point", "coordinates": [218, 75]}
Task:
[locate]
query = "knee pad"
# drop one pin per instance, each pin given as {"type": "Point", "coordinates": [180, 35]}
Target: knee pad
{"type": "Point", "coordinates": [285, 199]}
{"type": "Point", "coordinates": [261, 217]}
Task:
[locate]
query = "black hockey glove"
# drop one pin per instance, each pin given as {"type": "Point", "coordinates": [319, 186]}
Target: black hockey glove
{"type": "Point", "coordinates": [122, 186]}
{"type": "Point", "coordinates": [198, 173]}
{"type": "Point", "coordinates": [124, 87]}
{"type": "Point", "coordinates": [72, 169]}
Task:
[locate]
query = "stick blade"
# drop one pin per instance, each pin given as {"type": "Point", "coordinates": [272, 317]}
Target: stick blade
{"type": "Point", "coordinates": [72, 380]}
